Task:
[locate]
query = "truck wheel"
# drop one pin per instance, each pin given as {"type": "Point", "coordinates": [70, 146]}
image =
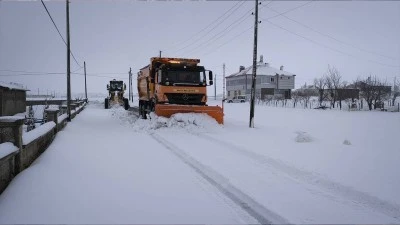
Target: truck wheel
{"type": "Point", "coordinates": [142, 113]}
{"type": "Point", "coordinates": [106, 103]}
{"type": "Point", "coordinates": [144, 106]}
{"type": "Point", "coordinates": [126, 104]}
{"type": "Point", "coordinates": [230, 101]}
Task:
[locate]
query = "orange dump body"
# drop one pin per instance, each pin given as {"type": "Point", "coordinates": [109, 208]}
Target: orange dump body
{"type": "Point", "coordinates": [215, 112]}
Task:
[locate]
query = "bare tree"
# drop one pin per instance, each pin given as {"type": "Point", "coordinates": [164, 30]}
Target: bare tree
{"type": "Point", "coordinates": [268, 99]}
{"type": "Point", "coordinates": [305, 95]}
{"type": "Point", "coordinates": [296, 97]}
{"type": "Point", "coordinates": [334, 82]}
{"type": "Point", "coordinates": [373, 91]}
{"type": "Point", "coordinates": [320, 85]}
{"type": "Point", "coordinates": [396, 91]}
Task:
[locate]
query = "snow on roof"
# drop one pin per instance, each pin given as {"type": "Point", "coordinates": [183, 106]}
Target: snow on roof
{"type": "Point", "coordinates": [262, 69]}
{"type": "Point", "coordinates": [13, 86]}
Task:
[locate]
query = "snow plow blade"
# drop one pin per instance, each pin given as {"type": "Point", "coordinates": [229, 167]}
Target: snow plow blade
{"type": "Point", "coordinates": [215, 112]}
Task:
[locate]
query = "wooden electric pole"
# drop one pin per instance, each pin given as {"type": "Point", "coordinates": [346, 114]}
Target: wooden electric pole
{"type": "Point", "coordinates": [215, 87]}
{"type": "Point", "coordinates": [223, 84]}
{"type": "Point", "coordinates": [68, 68]}
{"type": "Point", "coordinates": [253, 82]}
{"type": "Point", "coordinates": [130, 84]}
{"type": "Point", "coordinates": [84, 67]}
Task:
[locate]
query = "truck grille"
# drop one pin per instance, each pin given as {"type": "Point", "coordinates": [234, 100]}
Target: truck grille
{"type": "Point", "coordinates": [185, 99]}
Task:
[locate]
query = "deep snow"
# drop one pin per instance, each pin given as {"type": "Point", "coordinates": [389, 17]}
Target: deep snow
{"type": "Point", "coordinates": [306, 166]}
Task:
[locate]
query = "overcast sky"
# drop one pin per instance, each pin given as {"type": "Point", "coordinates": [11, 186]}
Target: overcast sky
{"type": "Point", "coordinates": [359, 38]}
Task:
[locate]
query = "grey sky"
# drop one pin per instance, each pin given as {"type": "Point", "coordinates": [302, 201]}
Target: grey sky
{"type": "Point", "coordinates": [112, 36]}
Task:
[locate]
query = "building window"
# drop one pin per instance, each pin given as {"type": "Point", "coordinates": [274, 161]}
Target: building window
{"type": "Point", "coordinates": [272, 79]}
{"type": "Point", "coordinates": [229, 93]}
{"type": "Point", "coordinates": [239, 92]}
{"type": "Point", "coordinates": [281, 78]}
{"type": "Point", "coordinates": [288, 78]}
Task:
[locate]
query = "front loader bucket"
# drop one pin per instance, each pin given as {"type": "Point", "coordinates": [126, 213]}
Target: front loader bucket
{"type": "Point", "coordinates": [215, 112]}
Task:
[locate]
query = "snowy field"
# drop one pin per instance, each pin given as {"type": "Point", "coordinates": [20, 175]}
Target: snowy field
{"type": "Point", "coordinates": [296, 166]}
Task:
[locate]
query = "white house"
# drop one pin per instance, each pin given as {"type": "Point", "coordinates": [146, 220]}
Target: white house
{"type": "Point", "coordinates": [269, 81]}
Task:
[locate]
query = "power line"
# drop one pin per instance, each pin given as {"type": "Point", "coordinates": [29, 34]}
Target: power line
{"type": "Point", "coordinates": [236, 23]}
{"type": "Point", "coordinates": [47, 74]}
{"type": "Point", "coordinates": [48, 13]}
{"type": "Point", "coordinates": [213, 28]}
{"type": "Point", "coordinates": [326, 35]}
{"type": "Point", "coordinates": [205, 28]}
{"type": "Point", "coordinates": [224, 33]}
{"type": "Point", "coordinates": [325, 46]}
{"type": "Point", "coordinates": [232, 29]}
{"type": "Point", "coordinates": [287, 11]}
{"type": "Point", "coordinates": [23, 71]}
{"type": "Point", "coordinates": [236, 36]}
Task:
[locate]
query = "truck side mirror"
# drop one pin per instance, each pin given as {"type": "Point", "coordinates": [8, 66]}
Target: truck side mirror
{"type": "Point", "coordinates": [210, 75]}
{"type": "Point", "coordinates": [124, 87]}
{"type": "Point", "coordinates": [211, 82]}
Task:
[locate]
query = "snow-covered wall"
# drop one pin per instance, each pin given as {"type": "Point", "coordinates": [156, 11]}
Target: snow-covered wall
{"type": "Point", "coordinates": [34, 143]}
{"type": "Point", "coordinates": [7, 163]}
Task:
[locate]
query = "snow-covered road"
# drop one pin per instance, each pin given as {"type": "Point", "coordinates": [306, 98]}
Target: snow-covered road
{"type": "Point", "coordinates": [97, 171]}
{"type": "Point", "coordinates": [107, 166]}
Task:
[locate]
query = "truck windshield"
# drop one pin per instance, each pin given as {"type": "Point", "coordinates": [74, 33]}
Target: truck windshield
{"type": "Point", "coordinates": [184, 77]}
{"type": "Point", "coordinates": [116, 85]}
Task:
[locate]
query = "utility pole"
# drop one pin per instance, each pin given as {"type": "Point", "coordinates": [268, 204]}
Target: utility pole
{"type": "Point", "coordinates": [130, 84]}
{"type": "Point", "coordinates": [68, 68]}
{"type": "Point", "coordinates": [253, 83]}
{"type": "Point", "coordinates": [84, 67]}
{"type": "Point", "coordinates": [130, 69]}
{"type": "Point", "coordinates": [223, 85]}
{"type": "Point", "coordinates": [215, 87]}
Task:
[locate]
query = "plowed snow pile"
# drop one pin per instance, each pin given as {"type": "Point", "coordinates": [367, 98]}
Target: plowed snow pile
{"type": "Point", "coordinates": [191, 122]}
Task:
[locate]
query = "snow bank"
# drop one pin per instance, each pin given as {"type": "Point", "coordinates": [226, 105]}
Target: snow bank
{"type": "Point", "coordinates": [191, 122]}
{"type": "Point", "coordinates": [30, 136]}
{"type": "Point", "coordinates": [303, 137]}
{"type": "Point", "coordinates": [7, 148]}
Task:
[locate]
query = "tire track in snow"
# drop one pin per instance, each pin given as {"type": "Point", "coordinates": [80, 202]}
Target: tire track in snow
{"type": "Point", "coordinates": [349, 193]}
{"type": "Point", "coordinates": [244, 201]}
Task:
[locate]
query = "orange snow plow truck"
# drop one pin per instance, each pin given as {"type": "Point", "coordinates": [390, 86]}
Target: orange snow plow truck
{"type": "Point", "coordinates": [175, 85]}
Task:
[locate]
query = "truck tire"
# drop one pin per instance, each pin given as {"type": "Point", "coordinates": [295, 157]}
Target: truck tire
{"type": "Point", "coordinates": [142, 112]}
{"type": "Point", "coordinates": [106, 103]}
{"type": "Point", "coordinates": [126, 104]}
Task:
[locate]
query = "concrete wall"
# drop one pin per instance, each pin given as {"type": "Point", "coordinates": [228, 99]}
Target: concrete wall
{"type": "Point", "coordinates": [12, 101]}
{"type": "Point", "coordinates": [8, 170]}
{"type": "Point", "coordinates": [33, 150]}
{"type": "Point", "coordinates": [16, 162]}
